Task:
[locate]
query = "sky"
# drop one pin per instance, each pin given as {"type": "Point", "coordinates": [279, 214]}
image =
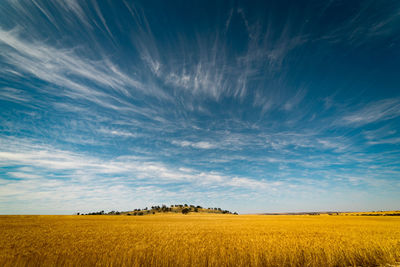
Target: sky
{"type": "Point", "coordinates": [251, 106]}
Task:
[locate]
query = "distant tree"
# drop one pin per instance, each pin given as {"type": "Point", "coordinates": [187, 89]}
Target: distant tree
{"type": "Point", "coordinates": [186, 205]}
{"type": "Point", "coordinates": [196, 210]}
{"type": "Point", "coordinates": [154, 212]}
{"type": "Point", "coordinates": [235, 213]}
{"type": "Point", "coordinates": [185, 211]}
{"type": "Point", "coordinates": [117, 213]}
{"type": "Point", "coordinates": [77, 213]}
{"type": "Point", "coordinates": [140, 213]}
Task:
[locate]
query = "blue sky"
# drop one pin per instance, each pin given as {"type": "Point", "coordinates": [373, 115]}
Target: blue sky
{"type": "Point", "coordinates": [254, 107]}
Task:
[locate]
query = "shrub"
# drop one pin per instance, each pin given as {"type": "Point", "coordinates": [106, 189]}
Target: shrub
{"type": "Point", "coordinates": [185, 211]}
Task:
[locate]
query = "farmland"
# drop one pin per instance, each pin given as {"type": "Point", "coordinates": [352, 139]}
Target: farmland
{"type": "Point", "coordinates": [199, 240]}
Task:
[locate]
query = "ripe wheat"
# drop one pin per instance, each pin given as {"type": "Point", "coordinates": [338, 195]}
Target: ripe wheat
{"type": "Point", "coordinates": [199, 240]}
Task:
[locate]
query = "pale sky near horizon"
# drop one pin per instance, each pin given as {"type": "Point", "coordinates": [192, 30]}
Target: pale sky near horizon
{"type": "Point", "coordinates": [251, 106]}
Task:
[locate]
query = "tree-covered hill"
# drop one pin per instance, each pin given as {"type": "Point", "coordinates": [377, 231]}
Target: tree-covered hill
{"type": "Point", "coordinates": [163, 209]}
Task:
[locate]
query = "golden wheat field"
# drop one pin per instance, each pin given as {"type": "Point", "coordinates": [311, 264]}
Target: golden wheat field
{"type": "Point", "coordinates": [199, 240]}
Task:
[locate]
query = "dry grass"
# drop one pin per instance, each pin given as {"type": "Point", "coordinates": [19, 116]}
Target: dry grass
{"type": "Point", "coordinates": [199, 240]}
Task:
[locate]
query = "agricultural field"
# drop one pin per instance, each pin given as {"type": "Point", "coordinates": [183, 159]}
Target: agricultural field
{"type": "Point", "coordinates": [372, 213]}
{"type": "Point", "coordinates": [199, 240]}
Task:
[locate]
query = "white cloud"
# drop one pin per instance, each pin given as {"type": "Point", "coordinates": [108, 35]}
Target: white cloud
{"type": "Point", "coordinates": [359, 27]}
{"type": "Point", "coordinates": [295, 100]}
{"type": "Point", "coordinates": [254, 184]}
{"type": "Point", "coordinates": [200, 145]}
{"type": "Point", "coordinates": [23, 175]}
{"type": "Point", "coordinates": [64, 68]}
{"type": "Point", "coordinates": [118, 133]}
{"type": "Point", "coordinates": [49, 162]}
{"type": "Point", "coordinates": [393, 141]}
{"type": "Point", "coordinates": [14, 95]}
{"type": "Point", "coordinates": [381, 110]}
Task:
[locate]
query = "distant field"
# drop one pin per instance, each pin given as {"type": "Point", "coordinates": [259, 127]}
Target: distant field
{"type": "Point", "coordinates": [372, 213]}
{"type": "Point", "coordinates": [199, 240]}
{"type": "Point", "coordinates": [334, 213]}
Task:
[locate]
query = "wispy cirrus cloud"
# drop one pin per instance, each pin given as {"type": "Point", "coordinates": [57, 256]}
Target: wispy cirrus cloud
{"type": "Point", "coordinates": [23, 175]}
{"type": "Point", "coordinates": [360, 27]}
{"type": "Point", "coordinates": [295, 100]}
{"type": "Point", "coordinates": [115, 132]}
{"type": "Point", "coordinates": [393, 141]}
{"type": "Point", "coordinates": [65, 69]}
{"type": "Point", "coordinates": [14, 95]}
{"type": "Point", "coordinates": [381, 110]}
{"type": "Point", "coordinates": [200, 144]}
{"type": "Point", "coordinates": [48, 161]}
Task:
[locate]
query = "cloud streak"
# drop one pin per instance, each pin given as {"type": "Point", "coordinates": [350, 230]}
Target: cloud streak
{"type": "Point", "coordinates": [373, 112]}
